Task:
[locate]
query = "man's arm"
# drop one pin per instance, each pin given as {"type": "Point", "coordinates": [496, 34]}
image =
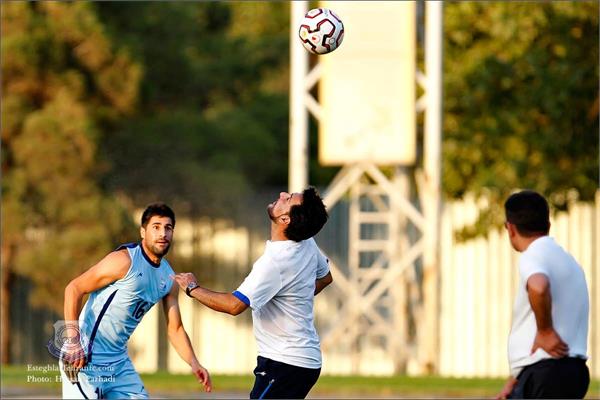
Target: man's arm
{"type": "Point", "coordinates": [538, 290]}
{"type": "Point", "coordinates": [322, 283]}
{"type": "Point", "coordinates": [218, 301]}
{"type": "Point", "coordinates": [507, 389]}
{"type": "Point", "coordinates": [111, 268]}
{"type": "Point", "coordinates": [180, 339]}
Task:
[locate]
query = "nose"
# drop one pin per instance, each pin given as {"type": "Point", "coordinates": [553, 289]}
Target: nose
{"type": "Point", "coordinates": [283, 195]}
{"type": "Point", "coordinates": [162, 232]}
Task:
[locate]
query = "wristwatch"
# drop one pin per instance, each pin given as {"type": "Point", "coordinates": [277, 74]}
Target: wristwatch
{"type": "Point", "coordinates": [191, 286]}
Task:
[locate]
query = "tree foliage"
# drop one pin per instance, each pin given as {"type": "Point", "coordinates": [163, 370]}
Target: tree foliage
{"type": "Point", "coordinates": [187, 102]}
{"type": "Point", "coordinates": [61, 81]}
{"type": "Point", "coordinates": [213, 117]}
{"type": "Point", "coordinates": [521, 100]}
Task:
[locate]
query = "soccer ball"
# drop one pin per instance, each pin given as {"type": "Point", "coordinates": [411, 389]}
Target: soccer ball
{"type": "Point", "coordinates": [321, 31]}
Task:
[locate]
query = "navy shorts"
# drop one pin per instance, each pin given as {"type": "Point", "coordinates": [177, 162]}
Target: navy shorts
{"type": "Point", "coordinates": [277, 380]}
{"type": "Point", "coordinates": [554, 378]}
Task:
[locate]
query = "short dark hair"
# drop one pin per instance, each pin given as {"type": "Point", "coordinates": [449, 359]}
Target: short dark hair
{"type": "Point", "coordinates": [160, 209]}
{"type": "Point", "coordinates": [306, 219]}
{"type": "Point", "coordinates": [529, 212]}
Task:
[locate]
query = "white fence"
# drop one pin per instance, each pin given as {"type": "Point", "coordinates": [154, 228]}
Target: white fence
{"type": "Point", "coordinates": [478, 281]}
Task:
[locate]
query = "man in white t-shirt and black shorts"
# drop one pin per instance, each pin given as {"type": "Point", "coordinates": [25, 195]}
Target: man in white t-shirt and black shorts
{"type": "Point", "coordinates": [547, 345]}
{"type": "Point", "coordinates": [280, 290]}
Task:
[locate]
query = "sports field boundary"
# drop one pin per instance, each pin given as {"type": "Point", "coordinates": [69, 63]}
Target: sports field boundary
{"type": "Point", "coordinates": [22, 381]}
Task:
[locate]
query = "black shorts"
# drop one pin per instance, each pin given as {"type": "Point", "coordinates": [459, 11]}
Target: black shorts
{"type": "Point", "coordinates": [554, 378]}
{"type": "Point", "coordinates": [277, 380]}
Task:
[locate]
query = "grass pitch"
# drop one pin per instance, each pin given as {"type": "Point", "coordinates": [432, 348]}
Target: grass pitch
{"type": "Point", "coordinates": [22, 381]}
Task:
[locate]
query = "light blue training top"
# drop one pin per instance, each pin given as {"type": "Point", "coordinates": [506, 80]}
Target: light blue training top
{"type": "Point", "coordinates": [112, 313]}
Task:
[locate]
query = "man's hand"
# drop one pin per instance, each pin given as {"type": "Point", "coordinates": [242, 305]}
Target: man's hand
{"type": "Point", "coordinates": [540, 298]}
{"type": "Point", "coordinates": [507, 389]}
{"type": "Point", "coordinates": [202, 375]}
{"type": "Point", "coordinates": [551, 342]}
{"type": "Point", "coordinates": [73, 358]}
{"type": "Point", "coordinates": [184, 279]}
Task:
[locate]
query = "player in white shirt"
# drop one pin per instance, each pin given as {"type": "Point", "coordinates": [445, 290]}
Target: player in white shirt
{"type": "Point", "coordinates": [547, 345]}
{"type": "Point", "coordinates": [280, 290]}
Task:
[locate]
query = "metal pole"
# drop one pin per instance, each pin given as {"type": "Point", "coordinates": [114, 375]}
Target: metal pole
{"type": "Point", "coordinates": [432, 166]}
{"type": "Point", "coordinates": [433, 117]}
{"type": "Point", "coordinates": [298, 149]}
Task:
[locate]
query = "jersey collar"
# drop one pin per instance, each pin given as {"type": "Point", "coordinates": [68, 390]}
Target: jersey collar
{"type": "Point", "coordinates": [155, 265]}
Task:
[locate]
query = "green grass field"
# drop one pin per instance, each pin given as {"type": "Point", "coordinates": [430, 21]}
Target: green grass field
{"type": "Point", "coordinates": [172, 385]}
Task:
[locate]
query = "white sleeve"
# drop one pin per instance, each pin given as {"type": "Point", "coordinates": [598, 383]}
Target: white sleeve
{"type": "Point", "coordinates": [263, 282]}
{"type": "Point", "coordinates": [322, 264]}
{"type": "Point", "coordinates": [529, 264]}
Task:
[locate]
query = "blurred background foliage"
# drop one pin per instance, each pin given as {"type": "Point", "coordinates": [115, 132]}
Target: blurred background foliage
{"type": "Point", "coordinates": [213, 109]}
{"type": "Point", "coordinates": [107, 106]}
{"type": "Point", "coordinates": [520, 102]}
{"type": "Point", "coordinates": [62, 83]}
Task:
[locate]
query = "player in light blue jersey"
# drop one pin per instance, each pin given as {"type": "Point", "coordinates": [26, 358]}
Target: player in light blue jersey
{"type": "Point", "coordinates": [123, 286]}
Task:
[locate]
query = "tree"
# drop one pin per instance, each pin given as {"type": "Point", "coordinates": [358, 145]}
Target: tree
{"type": "Point", "coordinates": [521, 98]}
{"type": "Point", "coordinates": [62, 82]}
{"type": "Point", "coordinates": [213, 104]}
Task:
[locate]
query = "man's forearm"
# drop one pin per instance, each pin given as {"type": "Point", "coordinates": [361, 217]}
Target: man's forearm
{"type": "Point", "coordinates": [322, 283]}
{"type": "Point", "coordinates": [538, 290]}
{"type": "Point", "coordinates": [181, 342]}
{"type": "Point", "coordinates": [540, 299]}
{"type": "Point", "coordinates": [72, 303]}
{"type": "Point", "coordinates": [222, 302]}
{"type": "Point", "coordinates": [508, 388]}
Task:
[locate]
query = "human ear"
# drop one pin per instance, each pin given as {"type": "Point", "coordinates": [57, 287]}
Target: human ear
{"type": "Point", "coordinates": [512, 230]}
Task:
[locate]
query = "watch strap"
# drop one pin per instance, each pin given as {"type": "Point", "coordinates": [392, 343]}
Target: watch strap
{"type": "Point", "coordinates": [188, 290]}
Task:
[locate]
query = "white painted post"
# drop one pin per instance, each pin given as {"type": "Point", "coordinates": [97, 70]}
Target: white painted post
{"type": "Point", "coordinates": [298, 147]}
{"type": "Point", "coordinates": [432, 160]}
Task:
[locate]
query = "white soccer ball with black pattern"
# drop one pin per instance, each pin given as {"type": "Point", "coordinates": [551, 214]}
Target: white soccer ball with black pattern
{"type": "Point", "coordinates": [321, 31]}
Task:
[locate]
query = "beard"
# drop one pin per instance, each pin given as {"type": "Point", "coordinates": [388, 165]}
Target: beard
{"type": "Point", "coordinates": [270, 211]}
{"type": "Point", "coordinates": [160, 251]}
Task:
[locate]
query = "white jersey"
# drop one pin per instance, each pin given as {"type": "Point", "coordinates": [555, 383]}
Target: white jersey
{"type": "Point", "coordinates": [280, 290]}
{"type": "Point", "coordinates": [112, 313]}
{"type": "Point", "coordinates": [570, 304]}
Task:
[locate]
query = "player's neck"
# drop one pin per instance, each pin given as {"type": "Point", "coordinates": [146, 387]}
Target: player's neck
{"type": "Point", "coordinates": [526, 241]}
{"type": "Point", "coordinates": [153, 257]}
{"type": "Point", "coordinates": [277, 234]}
